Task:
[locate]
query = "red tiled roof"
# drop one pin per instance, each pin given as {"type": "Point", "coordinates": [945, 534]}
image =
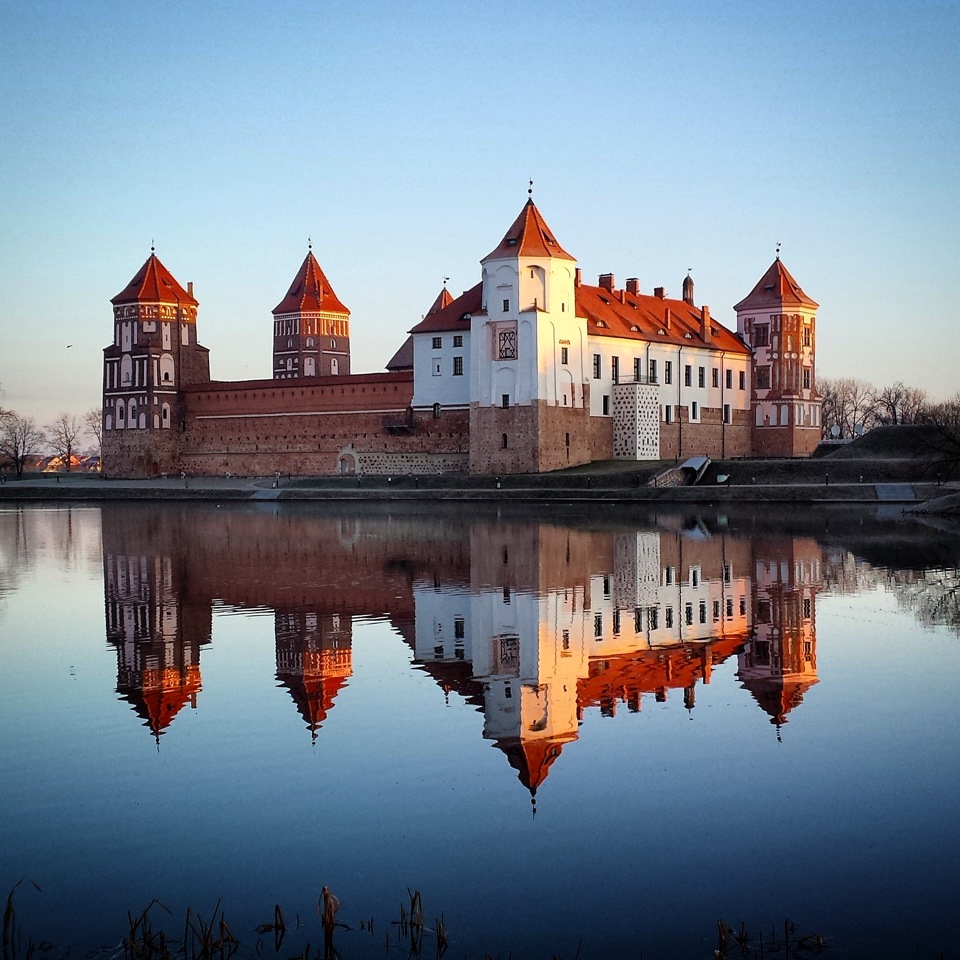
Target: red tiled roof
{"type": "Point", "coordinates": [451, 316]}
{"type": "Point", "coordinates": [642, 316]}
{"type": "Point", "coordinates": [153, 283]}
{"type": "Point", "coordinates": [310, 291]}
{"type": "Point", "coordinates": [532, 758]}
{"type": "Point", "coordinates": [775, 288]}
{"type": "Point", "coordinates": [528, 236]}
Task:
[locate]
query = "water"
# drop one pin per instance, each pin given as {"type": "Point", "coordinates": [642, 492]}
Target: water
{"type": "Point", "coordinates": [595, 731]}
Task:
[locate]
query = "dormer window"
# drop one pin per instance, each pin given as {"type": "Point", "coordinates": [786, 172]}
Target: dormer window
{"type": "Point", "coordinates": [511, 241]}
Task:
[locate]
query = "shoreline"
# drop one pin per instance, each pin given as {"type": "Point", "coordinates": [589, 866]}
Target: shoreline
{"type": "Point", "coordinates": [597, 488]}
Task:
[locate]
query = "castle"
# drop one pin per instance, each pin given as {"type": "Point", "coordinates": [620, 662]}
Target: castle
{"type": "Point", "coordinates": [530, 370]}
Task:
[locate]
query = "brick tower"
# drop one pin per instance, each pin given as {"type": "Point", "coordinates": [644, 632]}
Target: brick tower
{"type": "Point", "coordinates": [153, 356]}
{"type": "Point", "coordinates": [311, 328]}
{"type": "Point", "coordinates": [778, 321]}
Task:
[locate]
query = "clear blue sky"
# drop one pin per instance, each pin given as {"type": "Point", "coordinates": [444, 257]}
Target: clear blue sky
{"type": "Point", "coordinates": [400, 136]}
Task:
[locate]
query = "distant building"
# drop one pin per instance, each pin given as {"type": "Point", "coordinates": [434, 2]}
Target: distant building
{"type": "Point", "coordinates": [530, 370]}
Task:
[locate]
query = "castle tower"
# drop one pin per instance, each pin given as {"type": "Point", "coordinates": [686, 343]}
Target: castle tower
{"type": "Point", "coordinates": [529, 409]}
{"type": "Point", "coordinates": [779, 663]}
{"type": "Point", "coordinates": [778, 321]}
{"type": "Point", "coordinates": [311, 328]}
{"type": "Point", "coordinates": [154, 354]}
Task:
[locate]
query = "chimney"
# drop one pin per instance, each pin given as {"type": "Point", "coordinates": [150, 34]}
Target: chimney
{"type": "Point", "coordinates": [578, 277]}
{"type": "Point", "coordinates": [633, 286]}
{"type": "Point", "coordinates": [190, 287]}
{"type": "Point", "coordinates": [666, 315]}
{"type": "Point", "coordinates": [705, 334]}
{"type": "Point", "coordinates": [659, 292]}
{"type": "Point", "coordinates": [622, 296]}
{"type": "Point", "coordinates": [606, 281]}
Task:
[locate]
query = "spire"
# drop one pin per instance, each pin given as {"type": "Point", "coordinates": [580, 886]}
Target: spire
{"type": "Point", "coordinates": [153, 283]}
{"type": "Point", "coordinates": [775, 288]}
{"type": "Point", "coordinates": [310, 290]}
{"type": "Point", "coordinates": [528, 236]}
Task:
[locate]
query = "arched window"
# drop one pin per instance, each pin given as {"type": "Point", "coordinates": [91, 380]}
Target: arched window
{"type": "Point", "coordinates": [311, 342]}
{"type": "Point", "coordinates": [121, 414]}
{"type": "Point", "coordinates": [165, 416]}
{"type": "Point", "coordinates": [166, 368]}
{"type": "Point", "coordinates": [503, 441]}
{"type": "Point", "coordinates": [126, 370]}
{"type": "Point", "coordinates": [436, 411]}
{"type": "Point", "coordinates": [334, 366]}
{"type": "Point", "coordinates": [131, 413]}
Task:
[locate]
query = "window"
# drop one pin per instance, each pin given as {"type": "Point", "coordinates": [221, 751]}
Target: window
{"type": "Point", "coordinates": [311, 342]}
{"type": "Point", "coordinates": [437, 369]}
{"type": "Point", "coordinates": [807, 337]}
{"type": "Point", "coordinates": [506, 305]}
{"type": "Point", "coordinates": [458, 366]}
{"type": "Point", "coordinates": [437, 343]}
{"type": "Point", "coordinates": [726, 413]}
{"type": "Point", "coordinates": [436, 411]}
{"type": "Point", "coordinates": [507, 345]}
{"type": "Point", "coordinates": [729, 379]}
{"type": "Point", "coordinates": [653, 618]}
{"type": "Point", "coordinates": [694, 410]}
{"type": "Point", "coordinates": [505, 402]}
{"type": "Point", "coordinates": [503, 441]}
{"type": "Point", "coordinates": [716, 377]}
{"type": "Point", "coordinates": [668, 413]}
{"type": "Point", "coordinates": [458, 628]}
{"type": "Point", "coordinates": [743, 380]}
{"type": "Point", "coordinates": [687, 374]}
{"type": "Point", "coordinates": [615, 369]}
{"type": "Point", "coordinates": [596, 366]}
{"type": "Point", "coordinates": [761, 335]}
{"type": "Point", "coordinates": [668, 617]}
{"type": "Point", "coordinates": [637, 369]}
{"type": "Point", "coordinates": [598, 625]}
{"type": "Point", "coordinates": [564, 355]}
{"type": "Point", "coordinates": [606, 405]}
{"type": "Point", "coordinates": [458, 340]}
{"type": "Point", "coordinates": [652, 371]}
{"type": "Point", "coordinates": [701, 376]}
{"type": "Point", "coordinates": [668, 371]}
{"type": "Point", "coordinates": [806, 378]}
{"type": "Point", "coordinates": [763, 378]}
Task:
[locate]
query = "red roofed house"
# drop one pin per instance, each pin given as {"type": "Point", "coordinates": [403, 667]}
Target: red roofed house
{"type": "Point", "coordinates": [530, 370]}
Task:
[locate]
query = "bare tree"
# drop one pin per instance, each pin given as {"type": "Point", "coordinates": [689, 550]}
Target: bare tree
{"type": "Point", "coordinates": [945, 418]}
{"type": "Point", "coordinates": [899, 404]}
{"type": "Point", "coordinates": [20, 438]}
{"type": "Point", "coordinates": [63, 434]}
{"type": "Point", "coordinates": [848, 404]}
{"type": "Point", "coordinates": [93, 424]}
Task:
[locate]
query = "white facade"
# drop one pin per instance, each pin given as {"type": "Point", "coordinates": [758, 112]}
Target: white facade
{"type": "Point", "coordinates": [442, 368]}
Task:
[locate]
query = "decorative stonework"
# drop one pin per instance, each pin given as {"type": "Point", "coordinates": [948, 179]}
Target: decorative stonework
{"type": "Point", "coordinates": [636, 421]}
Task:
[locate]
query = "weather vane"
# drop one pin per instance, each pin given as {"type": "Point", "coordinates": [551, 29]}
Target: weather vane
{"type": "Point", "coordinates": [530, 190]}
{"type": "Point", "coordinates": [309, 242]}
{"type": "Point", "coordinates": [445, 279]}
{"type": "Point", "coordinates": [778, 249]}
{"type": "Point", "coordinates": [152, 247]}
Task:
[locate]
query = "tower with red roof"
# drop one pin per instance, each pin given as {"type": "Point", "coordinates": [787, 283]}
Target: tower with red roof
{"type": "Point", "coordinates": [529, 398]}
{"type": "Point", "coordinates": [154, 355]}
{"type": "Point", "coordinates": [778, 321]}
{"type": "Point", "coordinates": [311, 327]}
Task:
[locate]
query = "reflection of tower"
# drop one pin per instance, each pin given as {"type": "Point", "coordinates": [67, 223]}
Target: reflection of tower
{"type": "Point", "coordinates": [158, 638]}
{"type": "Point", "coordinates": [314, 659]}
{"type": "Point", "coordinates": [779, 664]}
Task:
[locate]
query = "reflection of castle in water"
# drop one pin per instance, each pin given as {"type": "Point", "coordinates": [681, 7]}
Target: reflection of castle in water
{"type": "Point", "coordinates": [534, 624]}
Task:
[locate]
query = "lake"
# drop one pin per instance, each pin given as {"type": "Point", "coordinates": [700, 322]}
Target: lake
{"type": "Point", "coordinates": [576, 732]}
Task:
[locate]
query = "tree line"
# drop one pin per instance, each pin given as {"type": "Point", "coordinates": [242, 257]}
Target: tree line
{"type": "Point", "coordinates": [22, 439]}
{"type": "Point", "coordinates": [854, 407]}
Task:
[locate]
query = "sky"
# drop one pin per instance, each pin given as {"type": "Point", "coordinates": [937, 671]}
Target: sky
{"type": "Point", "coordinates": [400, 138]}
